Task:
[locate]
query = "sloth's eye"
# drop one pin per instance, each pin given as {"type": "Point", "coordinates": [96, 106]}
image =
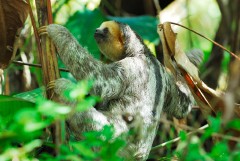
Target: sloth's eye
{"type": "Point", "coordinates": [105, 30]}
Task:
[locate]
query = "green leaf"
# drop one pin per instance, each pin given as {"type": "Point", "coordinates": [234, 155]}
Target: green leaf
{"type": "Point", "coordinates": [79, 91]}
{"type": "Point", "coordinates": [215, 123]}
{"type": "Point", "coordinates": [116, 145]}
{"type": "Point", "coordinates": [87, 103]}
{"type": "Point", "coordinates": [195, 152]}
{"type": "Point", "coordinates": [72, 157]}
{"type": "Point", "coordinates": [234, 124]}
{"type": "Point", "coordinates": [225, 62]}
{"type": "Point", "coordinates": [9, 106]}
{"type": "Point", "coordinates": [50, 108]}
{"type": "Point", "coordinates": [145, 26]}
{"type": "Point", "coordinates": [235, 154]}
{"type": "Point", "coordinates": [214, 126]}
{"type": "Point", "coordinates": [29, 120]}
{"type": "Point", "coordinates": [26, 125]}
{"type": "Point", "coordinates": [83, 25]}
{"type": "Point", "coordinates": [32, 95]}
{"type": "Point", "coordinates": [183, 135]}
{"type": "Point", "coordinates": [20, 152]}
{"type": "Point", "coordinates": [107, 132]}
{"type": "Point", "coordinates": [84, 150]}
{"type": "Point", "coordinates": [91, 135]}
{"type": "Point", "coordinates": [32, 145]}
{"type": "Point", "coordinates": [220, 151]}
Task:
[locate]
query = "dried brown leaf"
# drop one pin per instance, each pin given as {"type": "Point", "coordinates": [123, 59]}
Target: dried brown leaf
{"type": "Point", "coordinates": [173, 54]}
{"type": "Point", "coordinates": [208, 99]}
{"type": "Point", "coordinates": [167, 50]}
{"type": "Point", "coordinates": [172, 50]}
{"type": "Point", "coordinates": [183, 62]}
{"type": "Point", "coordinates": [170, 37]}
{"type": "Point", "coordinates": [13, 14]}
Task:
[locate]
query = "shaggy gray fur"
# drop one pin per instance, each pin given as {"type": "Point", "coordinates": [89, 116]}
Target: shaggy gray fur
{"type": "Point", "coordinates": [136, 86]}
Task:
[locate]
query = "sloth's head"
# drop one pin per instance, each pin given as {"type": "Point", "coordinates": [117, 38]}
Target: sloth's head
{"type": "Point", "coordinates": [110, 40]}
{"type": "Point", "coordinates": [117, 40]}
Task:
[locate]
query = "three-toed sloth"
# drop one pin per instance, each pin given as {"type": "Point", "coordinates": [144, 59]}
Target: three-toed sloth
{"type": "Point", "coordinates": [135, 88]}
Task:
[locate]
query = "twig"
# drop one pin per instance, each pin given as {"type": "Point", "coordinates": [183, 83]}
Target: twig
{"type": "Point", "coordinates": [193, 131]}
{"type": "Point", "coordinates": [109, 6]}
{"type": "Point", "coordinates": [36, 65]}
{"type": "Point", "coordinates": [34, 29]}
{"type": "Point", "coordinates": [49, 11]}
{"type": "Point", "coordinates": [177, 139]}
{"type": "Point", "coordinates": [215, 43]}
{"type": "Point", "coordinates": [236, 37]}
{"type": "Point", "coordinates": [157, 5]}
{"type": "Point", "coordinates": [195, 108]}
{"type": "Point", "coordinates": [189, 23]}
{"type": "Point", "coordinates": [185, 127]}
{"type": "Point", "coordinates": [1, 81]}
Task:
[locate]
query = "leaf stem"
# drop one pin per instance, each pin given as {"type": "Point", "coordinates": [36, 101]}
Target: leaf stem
{"type": "Point", "coordinates": [215, 43]}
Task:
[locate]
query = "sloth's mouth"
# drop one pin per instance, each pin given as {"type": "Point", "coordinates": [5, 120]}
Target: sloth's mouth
{"type": "Point", "coordinates": [99, 34]}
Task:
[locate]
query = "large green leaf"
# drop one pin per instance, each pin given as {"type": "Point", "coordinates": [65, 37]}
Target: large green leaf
{"type": "Point", "coordinates": [32, 95]}
{"type": "Point", "coordinates": [10, 105]}
{"type": "Point", "coordinates": [145, 26]}
{"type": "Point", "coordinates": [83, 25]}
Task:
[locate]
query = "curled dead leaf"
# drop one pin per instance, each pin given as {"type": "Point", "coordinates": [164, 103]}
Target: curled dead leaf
{"type": "Point", "coordinates": [175, 59]}
{"type": "Point", "coordinates": [13, 14]}
{"type": "Point", "coordinates": [210, 101]}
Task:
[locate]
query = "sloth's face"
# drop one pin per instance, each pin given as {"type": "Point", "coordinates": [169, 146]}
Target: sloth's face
{"type": "Point", "coordinates": [110, 40]}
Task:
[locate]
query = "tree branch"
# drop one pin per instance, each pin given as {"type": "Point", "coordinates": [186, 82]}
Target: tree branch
{"type": "Point", "coordinates": [49, 63]}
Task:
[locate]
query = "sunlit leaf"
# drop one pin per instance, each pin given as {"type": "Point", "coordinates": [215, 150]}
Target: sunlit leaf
{"type": "Point", "coordinates": [183, 135]}
{"type": "Point", "coordinates": [10, 105]}
{"type": "Point", "coordinates": [84, 150]}
{"type": "Point", "coordinates": [235, 124]}
{"type": "Point", "coordinates": [116, 145]}
{"type": "Point", "coordinates": [79, 91]}
{"type": "Point", "coordinates": [19, 152]}
{"type": "Point", "coordinates": [32, 95]}
{"type": "Point", "coordinates": [220, 151]}
{"type": "Point", "coordinates": [107, 132]}
{"type": "Point", "coordinates": [29, 121]}
{"type": "Point", "coordinates": [215, 123]}
{"type": "Point", "coordinates": [49, 108]}
{"type": "Point", "coordinates": [32, 145]}
{"type": "Point", "coordinates": [87, 103]}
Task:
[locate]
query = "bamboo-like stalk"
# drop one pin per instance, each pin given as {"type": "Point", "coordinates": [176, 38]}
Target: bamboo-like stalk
{"type": "Point", "coordinates": [49, 63]}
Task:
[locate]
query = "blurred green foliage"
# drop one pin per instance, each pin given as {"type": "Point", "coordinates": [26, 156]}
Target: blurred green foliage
{"type": "Point", "coordinates": [192, 148]}
{"type": "Point", "coordinates": [23, 124]}
{"type": "Point", "coordinates": [22, 128]}
{"type": "Point", "coordinates": [145, 26]}
{"type": "Point", "coordinates": [9, 105]}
